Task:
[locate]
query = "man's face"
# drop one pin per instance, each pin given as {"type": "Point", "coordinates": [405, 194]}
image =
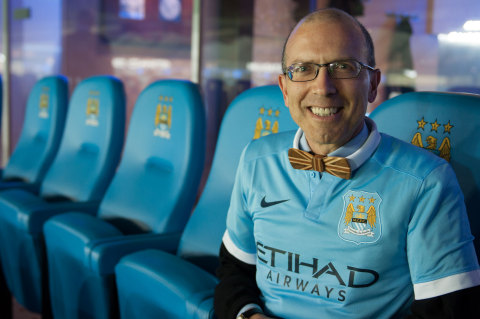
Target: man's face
{"type": "Point", "coordinates": [330, 111]}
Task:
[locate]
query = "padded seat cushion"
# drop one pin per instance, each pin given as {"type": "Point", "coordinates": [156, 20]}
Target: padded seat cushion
{"type": "Point", "coordinates": [158, 273]}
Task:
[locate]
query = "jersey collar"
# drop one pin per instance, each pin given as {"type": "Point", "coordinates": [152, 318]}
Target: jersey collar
{"type": "Point", "coordinates": [357, 150]}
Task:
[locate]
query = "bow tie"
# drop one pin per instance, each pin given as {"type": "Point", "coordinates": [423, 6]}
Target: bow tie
{"type": "Point", "coordinates": [337, 166]}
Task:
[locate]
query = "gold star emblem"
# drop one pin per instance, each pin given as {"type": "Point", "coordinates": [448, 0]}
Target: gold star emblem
{"type": "Point", "coordinates": [435, 126]}
{"type": "Point", "coordinates": [372, 200]}
{"type": "Point", "coordinates": [277, 113]}
{"type": "Point", "coordinates": [361, 199]}
{"type": "Point", "coordinates": [447, 127]}
{"type": "Point", "coordinates": [269, 112]}
{"type": "Point", "coordinates": [421, 124]}
{"type": "Point", "coordinates": [262, 110]}
{"type": "Point", "coordinates": [352, 198]}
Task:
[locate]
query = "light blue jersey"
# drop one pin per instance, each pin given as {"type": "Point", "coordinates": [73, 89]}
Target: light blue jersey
{"type": "Point", "coordinates": [325, 247]}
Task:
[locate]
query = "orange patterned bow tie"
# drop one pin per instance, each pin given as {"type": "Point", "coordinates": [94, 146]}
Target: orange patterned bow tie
{"type": "Point", "coordinates": [337, 166]}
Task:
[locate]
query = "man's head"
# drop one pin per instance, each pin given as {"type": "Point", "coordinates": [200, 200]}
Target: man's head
{"type": "Point", "coordinates": [329, 107]}
{"type": "Point", "coordinates": [335, 14]}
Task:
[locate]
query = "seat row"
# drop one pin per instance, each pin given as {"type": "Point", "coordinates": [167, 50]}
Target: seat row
{"type": "Point", "coordinates": [73, 207]}
{"type": "Point", "coordinates": [93, 239]}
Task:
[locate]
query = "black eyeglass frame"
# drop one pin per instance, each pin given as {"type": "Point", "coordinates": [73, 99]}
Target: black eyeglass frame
{"type": "Point", "coordinates": [288, 72]}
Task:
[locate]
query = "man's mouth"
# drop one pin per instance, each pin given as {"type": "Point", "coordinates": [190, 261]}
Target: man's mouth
{"type": "Point", "coordinates": [324, 111]}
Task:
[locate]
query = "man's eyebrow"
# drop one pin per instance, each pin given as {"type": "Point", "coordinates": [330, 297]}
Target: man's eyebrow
{"type": "Point", "coordinates": [315, 62]}
{"type": "Point", "coordinates": [302, 61]}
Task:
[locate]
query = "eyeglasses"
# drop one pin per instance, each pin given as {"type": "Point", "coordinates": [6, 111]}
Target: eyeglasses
{"type": "Point", "coordinates": [345, 69]}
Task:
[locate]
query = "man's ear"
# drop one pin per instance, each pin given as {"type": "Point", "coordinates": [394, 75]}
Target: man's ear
{"type": "Point", "coordinates": [282, 83]}
{"type": "Point", "coordinates": [375, 77]}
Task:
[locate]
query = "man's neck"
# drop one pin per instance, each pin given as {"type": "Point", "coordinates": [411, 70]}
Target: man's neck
{"type": "Point", "coordinates": [322, 149]}
{"type": "Point", "coordinates": [333, 149]}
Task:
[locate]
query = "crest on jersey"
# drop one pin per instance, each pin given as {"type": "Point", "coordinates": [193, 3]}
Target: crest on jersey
{"type": "Point", "coordinates": [360, 221]}
{"type": "Point", "coordinates": [93, 108]}
{"type": "Point", "coordinates": [434, 137]}
{"type": "Point", "coordinates": [267, 122]}
{"type": "Point", "coordinates": [43, 105]}
{"type": "Point", "coordinates": [163, 118]}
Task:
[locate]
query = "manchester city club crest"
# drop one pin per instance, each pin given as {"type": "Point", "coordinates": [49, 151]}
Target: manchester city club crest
{"type": "Point", "coordinates": [267, 122]}
{"type": "Point", "coordinates": [434, 136]}
{"type": "Point", "coordinates": [360, 221]}
{"type": "Point", "coordinates": [43, 106]}
{"type": "Point", "coordinates": [163, 118]}
{"type": "Point", "coordinates": [93, 108]}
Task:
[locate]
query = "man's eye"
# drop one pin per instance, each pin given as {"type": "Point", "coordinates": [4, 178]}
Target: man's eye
{"type": "Point", "coordinates": [342, 66]}
{"type": "Point", "coordinates": [339, 65]}
{"type": "Point", "coordinates": [302, 69]}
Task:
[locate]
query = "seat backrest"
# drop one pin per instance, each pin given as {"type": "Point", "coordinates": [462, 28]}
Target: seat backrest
{"type": "Point", "coordinates": [41, 132]}
{"type": "Point", "coordinates": [254, 113]}
{"type": "Point", "coordinates": [155, 186]}
{"type": "Point", "coordinates": [448, 124]}
{"type": "Point", "coordinates": [92, 141]}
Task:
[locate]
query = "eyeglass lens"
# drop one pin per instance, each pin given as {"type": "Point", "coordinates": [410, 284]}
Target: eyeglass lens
{"type": "Point", "coordinates": [300, 72]}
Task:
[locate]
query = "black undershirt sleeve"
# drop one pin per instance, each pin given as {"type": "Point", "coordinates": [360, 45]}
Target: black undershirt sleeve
{"type": "Point", "coordinates": [458, 304]}
{"type": "Point", "coordinates": [237, 286]}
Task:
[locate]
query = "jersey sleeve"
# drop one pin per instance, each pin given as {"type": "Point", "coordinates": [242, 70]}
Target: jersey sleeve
{"type": "Point", "coordinates": [459, 304]}
{"type": "Point", "coordinates": [440, 247]}
{"type": "Point", "coordinates": [239, 238]}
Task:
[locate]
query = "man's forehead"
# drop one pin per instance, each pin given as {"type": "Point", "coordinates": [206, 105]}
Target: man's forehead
{"type": "Point", "coordinates": [347, 28]}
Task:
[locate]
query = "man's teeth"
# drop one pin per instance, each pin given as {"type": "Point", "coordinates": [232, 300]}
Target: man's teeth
{"type": "Point", "coordinates": [324, 111]}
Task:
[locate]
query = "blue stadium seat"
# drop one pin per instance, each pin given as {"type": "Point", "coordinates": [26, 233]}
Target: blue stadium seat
{"type": "Point", "coordinates": [42, 130]}
{"type": "Point", "coordinates": [38, 143]}
{"type": "Point", "coordinates": [76, 180]}
{"type": "Point", "coordinates": [146, 206]}
{"type": "Point", "coordinates": [447, 124]}
{"type": "Point", "coordinates": [182, 285]}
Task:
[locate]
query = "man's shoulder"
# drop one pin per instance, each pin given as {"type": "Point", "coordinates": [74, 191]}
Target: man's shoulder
{"type": "Point", "coordinates": [269, 145]}
{"type": "Point", "coordinates": [406, 157]}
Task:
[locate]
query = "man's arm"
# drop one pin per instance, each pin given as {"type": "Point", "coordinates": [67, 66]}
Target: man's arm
{"type": "Point", "coordinates": [237, 286]}
{"type": "Point", "coordinates": [441, 255]}
{"type": "Point", "coordinates": [458, 304]}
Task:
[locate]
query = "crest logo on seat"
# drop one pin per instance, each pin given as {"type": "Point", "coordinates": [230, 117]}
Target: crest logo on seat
{"type": "Point", "coordinates": [163, 117]}
{"type": "Point", "coordinates": [43, 105]}
{"type": "Point", "coordinates": [360, 221]}
{"type": "Point", "coordinates": [267, 122]}
{"type": "Point", "coordinates": [438, 132]}
{"type": "Point", "coordinates": [93, 108]}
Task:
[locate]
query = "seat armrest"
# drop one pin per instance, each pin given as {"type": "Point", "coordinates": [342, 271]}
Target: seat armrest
{"type": "Point", "coordinates": [105, 253]}
{"type": "Point", "coordinates": [37, 218]}
{"type": "Point", "coordinates": [19, 184]}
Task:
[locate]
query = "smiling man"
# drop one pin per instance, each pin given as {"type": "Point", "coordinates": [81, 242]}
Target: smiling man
{"type": "Point", "coordinates": [337, 220]}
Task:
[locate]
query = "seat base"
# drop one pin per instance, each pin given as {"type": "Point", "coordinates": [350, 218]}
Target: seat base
{"type": "Point", "coordinates": [166, 286]}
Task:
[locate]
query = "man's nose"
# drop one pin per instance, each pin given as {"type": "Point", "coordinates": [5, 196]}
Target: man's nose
{"type": "Point", "coordinates": [323, 84]}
